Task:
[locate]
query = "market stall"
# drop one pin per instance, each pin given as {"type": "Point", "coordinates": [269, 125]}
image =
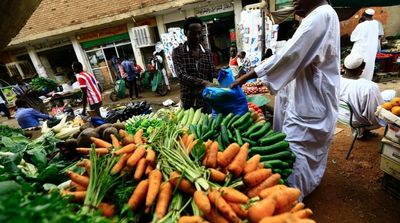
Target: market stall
{"type": "Point", "coordinates": [169, 166]}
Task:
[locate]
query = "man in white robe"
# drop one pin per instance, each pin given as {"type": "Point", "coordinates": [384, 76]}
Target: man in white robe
{"type": "Point", "coordinates": [363, 95]}
{"type": "Point", "coordinates": [366, 42]}
{"type": "Point", "coordinates": [310, 62]}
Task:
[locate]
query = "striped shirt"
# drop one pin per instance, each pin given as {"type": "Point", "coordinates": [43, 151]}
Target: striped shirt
{"type": "Point", "coordinates": [89, 82]}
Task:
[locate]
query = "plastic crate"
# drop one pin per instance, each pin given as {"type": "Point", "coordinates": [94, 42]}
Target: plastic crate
{"type": "Point", "coordinates": [390, 166]}
{"type": "Point", "coordinates": [391, 185]}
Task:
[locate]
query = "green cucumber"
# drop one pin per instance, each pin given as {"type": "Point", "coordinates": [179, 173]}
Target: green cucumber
{"type": "Point", "coordinates": [272, 149]}
{"type": "Point", "coordinates": [204, 130]}
{"type": "Point", "coordinates": [238, 137]}
{"type": "Point", "coordinates": [261, 132]}
{"type": "Point", "coordinates": [192, 129]}
{"type": "Point", "coordinates": [293, 157]}
{"type": "Point", "coordinates": [230, 135]}
{"type": "Point", "coordinates": [198, 131]}
{"type": "Point", "coordinates": [242, 120]}
{"type": "Point", "coordinates": [274, 164]}
{"type": "Point", "coordinates": [224, 135]}
{"type": "Point", "coordinates": [270, 132]}
{"type": "Point", "coordinates": [218, 120]}
{"type": "Point", "coordinates": [281, 181]}
{"type": "Point", "coordinates": [253, 129]}
{"type": "Point", "coordinates": [208, 135]}
{"type": "Point", "coordinates": [246, 125]}
{"type": "Point", "coordinates": [212, 124]}
{"type": "Point", "coordinates": [227, 118]}
{"type": "Point", "coordinates": [233, 119]}
{"type": "Point", "coordinates": [277, 171]}
{"type": "Point", "coordinates": [220, 145]}
{"type": "Point", "coordinates": [284, 156]}
{"type": "Point", "coordinates": [267, 166]}
{"type": "Point", "coordinates": [287, 172]}
{"type": "Point", "coordinates": [285, 165]}
{"type": "Point", "coordinates": [249, 141]}
{"type": "Point", "coordinates": [205, 121]}
{"type": "Point", "coordinates": [270, 140]}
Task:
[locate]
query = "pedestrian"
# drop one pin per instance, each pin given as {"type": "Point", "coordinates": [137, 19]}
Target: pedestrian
{"type": "Point", "coordinates": [28, 117]}
{"type": "Point", "coordinates": [3, 106]}
{"type": "Point", "coordinates": [366, 42]}
{"type": "Point", "coordinates": [244, 63]}
{"type": "Point", "coordinates": [363, 95]}
{"type": "Point", "coordinates": [159, 65]}
{"type": "Point", "coordinates": [131, 73]}
{"type": "Point", "coordinates": [307, 110]}
{"type": "Point", "coordinates": [193, 66]}
{"type": "Point", "coordinates": [91, 91]}
{"type": "Point", "coordinates": [233, 60]}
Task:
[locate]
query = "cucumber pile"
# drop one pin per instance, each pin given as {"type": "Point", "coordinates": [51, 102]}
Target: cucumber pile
{"type": "Point", "coordinates": [274, 150]}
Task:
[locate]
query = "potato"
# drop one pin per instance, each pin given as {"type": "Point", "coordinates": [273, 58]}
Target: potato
{"type": "Point", "coordinates": [107, 132]}
{"type": "Point", "coordinates": [103, 127]}
{"type": "Point", "coordinates": [119, 125]}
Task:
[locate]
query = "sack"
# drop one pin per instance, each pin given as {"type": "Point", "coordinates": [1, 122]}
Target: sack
{"type": "Point", "coordinates": [223, 99]}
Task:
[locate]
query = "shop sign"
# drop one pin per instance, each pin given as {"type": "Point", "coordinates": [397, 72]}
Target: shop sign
{"type": "Point", "coordinates": [102, 33]}
{"type": "Point", "coordinates": [213, 9]}
{"type": "Point", "coordinates": [51, 44]}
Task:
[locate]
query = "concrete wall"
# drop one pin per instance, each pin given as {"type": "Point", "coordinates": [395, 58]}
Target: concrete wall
{"type": "Point", "coordinates": [388, 16]}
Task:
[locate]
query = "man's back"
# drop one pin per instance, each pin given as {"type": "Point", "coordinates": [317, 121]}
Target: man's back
{"type": "Point", "coordinates": [28, 117]}
{"type": "Point", "coordinates": [88, 81]}
{"type": "Point", "coordinates": [128, 68]}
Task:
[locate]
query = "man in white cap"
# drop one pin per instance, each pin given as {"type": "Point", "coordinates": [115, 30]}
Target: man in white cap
{"type": "Point", "coordinates": [366, 42]}
{"type": "Point", "coordinates": [363, 95]}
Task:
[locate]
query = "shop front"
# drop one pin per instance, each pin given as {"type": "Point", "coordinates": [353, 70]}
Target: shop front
{"type": "Point", "coordinates": [103, 48]}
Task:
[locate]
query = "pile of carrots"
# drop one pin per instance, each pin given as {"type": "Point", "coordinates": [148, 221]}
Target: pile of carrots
{"type": "Point", "coordinates": [259, 198]}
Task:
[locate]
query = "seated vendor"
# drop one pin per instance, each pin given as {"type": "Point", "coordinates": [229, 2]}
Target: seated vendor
{"type": "Point", "coordinates": [28, 117]}
{"type": "Point", "coordinates": [363, 95]}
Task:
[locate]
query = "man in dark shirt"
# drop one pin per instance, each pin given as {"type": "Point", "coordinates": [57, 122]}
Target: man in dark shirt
{"type": "Point", "coordinates": [193, 65]}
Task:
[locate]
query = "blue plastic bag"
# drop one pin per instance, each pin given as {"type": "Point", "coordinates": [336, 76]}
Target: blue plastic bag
{"type": "Point", "coordinates": [223, 99]}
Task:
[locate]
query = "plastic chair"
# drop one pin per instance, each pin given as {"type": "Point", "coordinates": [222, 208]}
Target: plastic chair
{"type": "Point", "coordinates": [346, 115]}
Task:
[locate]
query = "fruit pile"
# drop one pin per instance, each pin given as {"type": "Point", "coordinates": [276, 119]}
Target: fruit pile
{"type": "Point", "coordinates": [255, 88]}
{"type": "Point", "coordinates": [393, 106]}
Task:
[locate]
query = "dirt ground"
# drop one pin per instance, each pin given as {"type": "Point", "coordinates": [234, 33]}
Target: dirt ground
{"type": "Point", "coordinates": [350, 190]}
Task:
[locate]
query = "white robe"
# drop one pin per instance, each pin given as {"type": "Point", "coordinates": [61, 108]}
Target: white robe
{"type": "Point", "coordinates": [366, 44]}
{"type": "Point", "coordinates": [310, 61]}
{"type": "Point", "coordinates": [365, 97]}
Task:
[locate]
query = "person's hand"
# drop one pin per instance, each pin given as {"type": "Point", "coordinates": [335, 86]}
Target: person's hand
{"type": "Point", "coordinates": [239, 82]}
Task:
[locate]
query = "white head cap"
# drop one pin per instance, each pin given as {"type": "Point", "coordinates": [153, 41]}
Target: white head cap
{"type": "Point", "coordinates": [353, 61]}
{"type": "Point", "coordinates": [370, 12]}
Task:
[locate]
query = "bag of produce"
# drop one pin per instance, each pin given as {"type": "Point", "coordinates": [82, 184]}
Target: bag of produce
{"type": "Point", "coordinates": [224, 100]}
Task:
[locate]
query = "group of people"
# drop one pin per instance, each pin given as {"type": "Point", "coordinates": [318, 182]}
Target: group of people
{"type": "Point", "coordinates": [305, 77]}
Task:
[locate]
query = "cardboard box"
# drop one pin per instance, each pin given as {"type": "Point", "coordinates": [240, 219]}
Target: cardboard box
{"type": "Point", "coordinates": [390, 167]}
{"type": "Point", "coordinates": [391, 131]}
{"type": "Point", "coordinates": [391, 150]}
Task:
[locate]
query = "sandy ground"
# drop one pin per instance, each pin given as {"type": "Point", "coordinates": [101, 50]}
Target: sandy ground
{"type": "Point", "coordinates": [350, 190]}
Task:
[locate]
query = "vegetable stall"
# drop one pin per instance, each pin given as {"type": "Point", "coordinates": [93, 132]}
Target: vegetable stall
{"type": "Point", "coordinates": [173, 165]}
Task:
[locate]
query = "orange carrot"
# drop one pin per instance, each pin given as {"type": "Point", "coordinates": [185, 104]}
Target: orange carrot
{"type": "Point", "coordinates": [214, 217]}
{"type": "Point", "coordinates": [256, 177]}
{"type": "Point", "coordinates": [122, 133]}
{"type": "Point", "coordinates": [208, 144]}
{"type": "Point", "coordinates": [163, 200]}
{"type": "Point", "coordinates": [107, 210]}
{"type": "Point", "coordinates": [303, 214]}
{"type": "Point", "coordinates": [269, 182]}
{"type": "Point", "coordinates": [260, 166]}
{"type": "Point", "coordinates": [115, 142]}
{"type": "Point", "coordinates": [228, 155]}
{"type": "Point", "coordinates": [136, 156]}
{"type": "Point", "coordinates": [138, 195]}
{"type": "Point", "coordinates": [148, 170]}
{"type": "Point", "coordinates": [150, 157]}
{"type": "Point", "coordinates": [77, 186]}
{"type": "Point", "coordinates": [82, 180]}
{"type": "Point", "coordinates": [184, 139]}
{"type": "Point", "coordinates": [189, 140]}
{"type": "Point", "coordinates": [128, 139]}
{"type": "Point", "coordinates": [137, 138]}
{"type": "Point", "coordinates": [126, 149]}
{"type": "Point", "coordinates": [286, 197]}
{"type": "Point", "coordinates": [239, 210]}
{"type": "Point", "coordinates": [212, 155]}
{"type": "Point", "coordinates": [191, 146]}
{"type": "Point", "coordinates": [299, 206]}
{"type": "Point", "coordinates": [237, 165]}
{"type": "Point", "coordinates": [222, 206]}
{"type": "Point", "coordinates": [78, 195]}
{"type": "Point", "coordinates": [278, 218]}
{"type": "Point", "coordinates": [155, 178]}
{"type": "Point", "coordinates": [121, 163]}
{"type": "Point", "coordinates": [202, 202]}
{"type": "Point", "coordinates": [84, 163]}
{"type": "Point", "coordinates": [234, 196]}
{"type": "Point", "coordinates": [99, 151]}
{"type": "Point", "coordinates": [140, 169]}
{"type": "Point", "coordinates": [184, 185]}
{"type": "Point", "coordinates": [252, 164]}
{"type": "Point", "coordinates": [217, 176]}
{"type": "Point", "coordinates": [181, 142]}
{"type": "Point", "coordinates": [190, 219]}
{"type": "Point", "coordinates": [271, 190]}
{"type": "Point", "coordinates": [100, 143]}
{"type": "Point", "coordinates": [262, 209]}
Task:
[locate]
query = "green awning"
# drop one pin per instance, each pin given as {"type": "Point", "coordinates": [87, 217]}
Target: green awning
{"type": "Point", "coordinates": [105, 40]}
